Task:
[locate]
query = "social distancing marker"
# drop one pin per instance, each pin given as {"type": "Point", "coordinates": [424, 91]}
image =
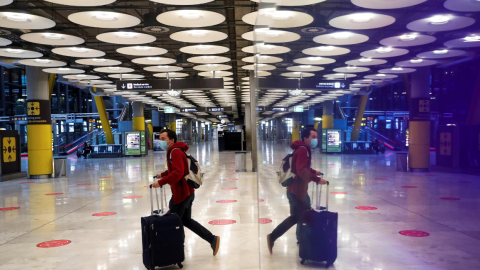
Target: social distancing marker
{"type": "Point", "coordinates": [54, 243]}
{"type": "Point", "coordinates": [229, 188]}
{"type": "Point", "coordinates": [414, 233]}
{"type": "Point", "coordinates": [381, 178]}
{"type": "Point", "coordinates": [336, 192]}
{"type": "Point", "coordinates": [222, 222]}
{"type": "Point", "coordinates": [53, 194]}
{"type": "Point", "coordinates": [409, 187]}
{"type": "Point", "coordinates": [366, 208]}
{"type": "Point", "coordinates": [86, 184]}
{"type": "Point", "coordinates": [450, 199]}
{"type": "Point", "coordinates": [132, 197]}
{"type": "Point", "coordinates": [264, 221]}
{"type": "Point", "coordinates": [261, 200]}
{"type": "Point", "coordinates": [230, 179]}
{"type": "Point", "coordinates": [104, 214]}
{"type": "Point", "coordinates": [226, 201]}
{"type": "Point", "coordinates": [27, 183]}
{"type": "Point", "coordinates": [9, 208]}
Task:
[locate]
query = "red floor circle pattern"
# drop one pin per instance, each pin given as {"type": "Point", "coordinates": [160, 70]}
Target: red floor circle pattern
{"type": "Point", "coordinates": [132, 197]}
{"type": "Point", "coordinates": [414, 233]}
{"type": "Point", "coordinates": [229, 188]}
{"type": "Point", "coordinates": [53, 194]}
{"type": "Point", "coordinates": [449, 199]}
{"type": "Point", "coordinates": [222, 222]}
{"type": "Point", "coordinates": [104, 214]}
{"type": "Point", "coordinates": [54, 243]}
{"type": "Point", "coordinates": [366, 208]}
{"type": "Point", "coordinates": [230, 179]}
{"type": "Point", "coordinates": [9, 208]}
{"type": "Point", "coordinates": [226, 201]}
{"type": "Point", "coordinates": [261, 200]}
{"type": "Point", "coordinates": [264, 221]}
{"type": "Point", "coordinates": [336, 192]}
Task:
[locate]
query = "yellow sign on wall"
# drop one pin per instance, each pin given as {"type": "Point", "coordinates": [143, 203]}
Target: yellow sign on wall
{"type": "Point", "coordinates": [445, 143]}
{"type": "Point", "coordinates": [33, 108]}
{"type": "Point", "coordinates": [9, 149]}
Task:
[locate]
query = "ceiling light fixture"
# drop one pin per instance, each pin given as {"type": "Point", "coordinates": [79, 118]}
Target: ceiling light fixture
{"type": "Point", "coordinates": [204, 47]}
{"type": "Point", "coordinates": [208, 57]}
{"type": "Point", "coordinates": [142, 48]}
{"type": "Point", "coordinates": [472, 38]}
{"type": "Point", "coordinates": [42, 61]}
{"type": "Point", "coordinates": [126, 35]}
{"type": "Point", "coordinates": [52, 36]}
{"type": "Point", "coordinates": [16, 51]}
{"type": "Point", "coordinates": [198, 33]}
{"type": "Point", "coordinates": [440, 51]}
{"type": "Point", "coordinates": [114, 68]}
{"type": "Point", "coordinates": [17, 17]}
{"type": "Point", "coordinates": [439, 19]}
{"type": "Point", "coordinates": [408, 37]}
{"type": "Point", "coordinates": [397, 68]}
{"type": "Point", "coordinates": [305, 66]}
{"type": "Point", "coordinates": [212, 65]}
{"type": "Point", "coordinates": [381, 75]}
{"type": "Point", "coordinates": [104, 16]}
{"type": "Point", "coordinates": [63, 69]}
{"type": "Point", "coordinates": [190, 15]}
{"type": "Point", "coordinates": [351, 68]}
{"type": "Point", "coordinates": [79, 50]}
{"type": "Point", "coordinates": [416, 61]}
{"type": "Point", "coordinates": [384, 49]}
{"type": "Point", "coordinates": [362, 17]}
{"type": "Point", "coordinates": [174, 93]}
{"type": "Point", "coordinates": [341, 35]}
{"type": "Point", "coordinates": [99, 60]}
{"type": "Point", "coordinates": [365, 60]}
{"type": "Point", "coordinates": [326, 48]}
{"type": "Point", "coordinates": [314, 58]}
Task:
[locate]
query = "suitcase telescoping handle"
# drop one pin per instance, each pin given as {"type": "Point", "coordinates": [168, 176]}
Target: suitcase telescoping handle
{"type": "Point", "coordinates": [162, 199]}
{"type": "Point", "coordinates": [319, 196]}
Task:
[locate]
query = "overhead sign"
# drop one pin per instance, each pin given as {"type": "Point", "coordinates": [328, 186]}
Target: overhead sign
{"type": "Point", "coordinates": [219, 109]}
{"type": "Point", "coordinates": [279, 109]}
{"type": "Point", "coordinates": [222, 116]}
{"type": "Point", "coordinates": [38, 112]}
{"type": "Point", "coordinates": [305, 84]}
{"type": "Point", "coordinates": [166, 84]}
{"type": "Point", "coordinates": [260, 109]}
{"type": "Point", "coordinates": [193, 109]}
{"type": "Point", "coordinates": [331, 85]}
{"type": "Point", "coordinates": [298, 109]}
{"type": "Point", "coordinates": [169, 110]}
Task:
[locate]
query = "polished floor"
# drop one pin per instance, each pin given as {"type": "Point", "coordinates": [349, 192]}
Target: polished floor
{"type": "Point", "coordinates": [445, 208]}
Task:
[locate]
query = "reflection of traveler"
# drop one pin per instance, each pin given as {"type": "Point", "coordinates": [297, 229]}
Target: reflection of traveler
{"type": "Point", "coordinates": [87, 149]}
{"type": "Point", "coordinates": [182, 193]}
{"type": "Point", "coordinates": [297, 192]}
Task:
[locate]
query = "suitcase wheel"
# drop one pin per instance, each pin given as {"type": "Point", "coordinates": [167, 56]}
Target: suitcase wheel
{"type": "Point", "coordinates": [302, 261]}
{"type": "Point", "coordinates": [180, 265]}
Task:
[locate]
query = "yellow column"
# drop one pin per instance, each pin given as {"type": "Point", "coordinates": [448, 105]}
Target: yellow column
{"type": "Point", "coordinates": [327, 117]}
{"type": "Point", "coordinates": [51, 83]}
{"type": "Point", "coordinates": [150, 132]}
{"type": "Point", "coordinates": [358, 118]}
{"type": "Point", "coordinates": [102, 112]}
{"type": "Point", "coordinates": [172, 126]}
{"type": "Point", "coordinates": [315, 126]}
{"type": "Point", "coordinates": [295, 130]}
{"type": "Point", "coordinates": [419, 145]}
{"type": "Point", "coordinates": [139, 123]}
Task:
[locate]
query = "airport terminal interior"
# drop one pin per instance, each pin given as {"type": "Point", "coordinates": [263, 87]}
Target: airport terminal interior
{"type": "Point", "coordinates": [383, 97]}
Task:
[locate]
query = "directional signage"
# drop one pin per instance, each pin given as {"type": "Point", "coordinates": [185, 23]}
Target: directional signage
{"type": "Point", "coordinates": [219, 109]}
{"type": "Point", "coordinates": [222, 116]}
{"type": "Point", "coordinates": [169, 110]}
{"type": "Point", "coordinates": [279, 109]}
{"type": "Point", "coordinates": [193, 109]}
{"type": "Point", "coordinates": [164, 84]}
{"type": "Point", "coordinates": [305, 84]}
{"type": "Point", "coordinates": [298, 109]}
{"type": "Point", "coordinates": [38, 112]}
{"type": "Point", "coordinates": [142, 85]}
{"type": "Point", "coordinates": [331, 85]}
{"type": "Point", "coordinates": [260, 109]}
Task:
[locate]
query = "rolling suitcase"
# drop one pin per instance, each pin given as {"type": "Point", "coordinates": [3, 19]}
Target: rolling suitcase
{"type": "Point", "coordinates": [163, 237]}
{"type": "Point", "coordinates": [318, 233]}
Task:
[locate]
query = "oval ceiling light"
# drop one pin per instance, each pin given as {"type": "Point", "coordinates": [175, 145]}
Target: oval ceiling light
{"type": "Point", "coordinates": [416, 62]}
{"type": "Point", "coordinates": [261, 48]}
{"type": "Point", "coordinates": [278, 18]}
{"type": "Point", "coordinates": [351, 69]}
{"type": "Point", "coordinates": [113, 70]}
{"type": "Point", "coordinates": [182, 2]}
{"type": "Point", "coordinates": [142, 50]}
{"type": "Point", "coordinates": [204, 49]}
{"type": "Point", "coordinates": [54, 39]}
{"type": "Point", "coordinates": [384, 52]}
{"type": "Point", "coordinates": [42, 62]}
{"type": "Point", "coordinates": [104, 19]}
{"type": "Point", "coordinates": [63, 70]}
{"type": "Point", "coordinates": [362, 20]}
{"type": "Point", "coordinates": [163, 69]}
{"type": "Point", "coordinates": [290, 2]}
{"type": "Point", "coordinates": [217, 74]}
{"type": "Point", "coordinates": [98, 62]}
{"type": "Point", "coordinates": [262, 59]}
{"type": "Point", "coordinates": [171, 75]}
{"type": "Point", "coordinates": [267, 35]}
{"type": "Point", "coordinates": [190, 18]}
{"type": "Point", "coordinates": [153, 61]}
{"type": "Point", "coordinates": [462, 5]}
{"type": "Point", "coordinates": [82, 3]}
{"type": "Point", "coordinates": [339, 75]}
{"type": "Point", "coordinates": [440, 22]}
{"type": "Point", "coordinates": [19, 53]}
{"type": "Point", "coordinates": [407, 40]}
{"type": "Point", "coordinates": [326, 51]}
{"type": "Point", "coordinates": [441, 53]}
{"type": "Point", "coordinates": [314, 61]}
{"type": "Point", "coordinates": [126, 76]}
{"type": "Point", "coordinates": [79, 52]}
{"type": "Point", "coordinates": [208, 59]}
{"type": "Point", "coordinates": [91, 79]}
{"type": "Point", "coordinates": [198, 36]}
{"type": "Point", "coordinates": [212, 67]}
{"type": "Point", "coordinates": [397, 70]}
{"type": "Point", "coordinates": [381, 76]}
{"type": "Point", "coordinates": [297, 74]}
{"type": "Point", "coordinates": [341, 38]}
{"type": "Point", "coordinates": [305, 68]}
{"type": "Point", "coordinates": [5, 42]}
{"type": "Point", "coordinates": [19, 20]}
{"type": "Point", "coordinates": [5, 2]}
{"type": "Point", "coordinates": [367, 61]}
{"type": "Point", "coordinates": [469, 41]}
{"type": "Point", "coordinates": [386, 4]}
{"type": "Point", "coordinates": [260, 67]}
{"type": "Point", "coordinates": [126, 38]}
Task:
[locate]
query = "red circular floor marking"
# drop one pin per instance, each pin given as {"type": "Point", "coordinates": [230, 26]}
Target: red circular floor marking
{"type": "Point", "coordinates": [464, 182]}
{"type": "Point", "coordinates": [450, 199]}
{"type": "Point", "coordinates": [53, 194]}
{"type": "Point", "coordinates": [226, 201]}
{"type": "Point", "coordinates": [381, 178]}
{"type": "Point", "coordinates": [360, 172]}
{"type": "Point", "coordinates": [222, 222]}
{"type": "Point", "coordinates": [9, 208]}
{"type": "Point", "coordinates": [261, 200]}
{"type": "Point", "coordinates": [229, 188]}
{"type": "Point", "coordinates": [230, 179]}
{"type": "Point", "coordinates": [414, 233]}
{"type": "Point", "coordinates": [336, 192]}
{"type": "Point", "coordinates": [86, 184]}
{"type": "Point", "coordinates": [409, 186]}
{"type": "Point", "coordinates": [104, 214]}
{"type": "Point", "coordinates": [366, 208]}
{"type": "Point", "coordinates": [264, 221]}
{"type": "Point", "coordinates": [27, 183]}
{"type": "Point", "coordinates": [132, 197]}
{"type": "Point", "coordinates": [54, 243]}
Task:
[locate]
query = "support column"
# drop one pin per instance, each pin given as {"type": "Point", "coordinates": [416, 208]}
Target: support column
{"type": "Point", "coordinates": [39, 136]}
{"type": "Point", "coordinates": [138, 118]}
{"type": "Point", "coordinates": [358, 118]}
{"type": "Point", "coordinates": [189, 129]}
{"type": "Point", "coordinates": [172, 122]}
{"type": "Point", "coordinates": [248, 127]}
{"type": "Point", "coordinates": [419, 125]}
{"type": "Point", "coordinates": [150, 133]}
{"type": "Point", "coordinates": [102, 112]}
{"type": "Point", "coordinates": [327, 118]}
{"type": "Point", "coordinates": [278, 126]}
{"type": "Point", "coordinates": [295, 127]}
{"type": "Point", "coordinates": [253, 119]}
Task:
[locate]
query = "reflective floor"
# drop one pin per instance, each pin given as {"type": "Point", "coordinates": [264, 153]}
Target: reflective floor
{"type": "Point", "coordinates": [367, 239]}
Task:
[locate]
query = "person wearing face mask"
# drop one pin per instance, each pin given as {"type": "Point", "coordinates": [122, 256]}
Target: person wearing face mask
{"type": "Point", "coordinates": [182, 193]}
{"type": "Point", "coordinates": [297, 191]}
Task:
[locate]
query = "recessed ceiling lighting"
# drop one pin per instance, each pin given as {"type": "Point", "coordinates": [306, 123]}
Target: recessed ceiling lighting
{"type": "Point", "coordinates": [397, 68]}
{"type": "Point", "coordinates": [81, 76]}
{"type": "Point", "coordinates": [380, 75]}
{"type": "Point", "coordinates": [212, 65]}
{"type": "Point", "coordinates": [305, 66]}
{"type": "Point", "coordinates": [408, 37]}
{"type": "Point", "coordinates": [126, 35]}
{"type": "Point", "coordinates": [198, 33]}
{"type": "Point", "coordinates": [341, 35]}
{"type": "Point", "coordinates": [153, 58]}
{"type": "Point", "coordinates": [79, 50]}
{"type": "Point", "coordinates": [351, 68]}
{"type": "Point", "coordinates": [362, 17]}
{"type": "Point", "coordinates": [162, 67]}
{"type": "Point", "coordinates": [384, 49]}
{"type": "Point", "coordinates": [190, 15]}
{"type": "Point", "coordinates": [439, 19]}
{"type": "Point", "coordinates": [17, 17]}
{"type": "Point", "coordinates": [326, 48]}
{"type": "Point", "coordinates": [314, 58]}
{"type": "Point", "coordinates": [142, 48]}
{"type": "Point", "coordinates": [440, 51]}
{"type": "Point", "coordinates": [43, 61]}
{"type": "Point", "coordinates": [17, 51]}
{"type": "Point", "coordinates": [105, 16]}
{"type": "Point", "coordinates": [63, 69]}
{"type": "Point", "coordinates": [208, 57]}
{"type": "Point", "coordinates": [52, 36]}
{"type": "Point", "coordinates": [99, 60]}
{"type": "Point", "coordinates": [204, 47]}
{"type": "Point", "coordinates": [365, 60]}
{"type": "Point", "coordinates": [472, 38]}
{"type": "Point", "coordinates": [416, 61]}
{"type": "Point", "coordinates": [114, 68]}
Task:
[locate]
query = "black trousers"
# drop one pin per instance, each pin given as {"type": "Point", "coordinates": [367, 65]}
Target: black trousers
{"type": "Point", "coordinates": [297, 207]}
{"type": "Point", "coordinates": [184, 211]}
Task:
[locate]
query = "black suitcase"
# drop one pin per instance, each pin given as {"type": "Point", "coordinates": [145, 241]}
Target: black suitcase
{"type": "Point", "coordinates": [163, 237]}
{"type": "Point", "coordinates": [318, 233]}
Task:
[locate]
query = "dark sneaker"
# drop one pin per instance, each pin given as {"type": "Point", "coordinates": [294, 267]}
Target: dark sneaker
{"type": "Point", "coordinates": [215, 244]}
{"type": "Point", "coordinates": [269, 243]}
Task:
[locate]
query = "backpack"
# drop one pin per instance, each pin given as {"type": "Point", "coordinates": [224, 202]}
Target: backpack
{"type": "Point", "coordinates": [195, 175]}
{"type": "Point", "coordinates": [285, 175]}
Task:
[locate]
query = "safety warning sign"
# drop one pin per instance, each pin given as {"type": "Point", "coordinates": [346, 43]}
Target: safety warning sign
{"type": "Point", "coordinates": [38, 112]}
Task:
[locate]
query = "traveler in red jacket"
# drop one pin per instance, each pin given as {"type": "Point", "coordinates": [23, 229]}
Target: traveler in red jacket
{"type": "Point", "coordinates": [182, 193]}
{"type": "Point", "coordinates": [297, 192]}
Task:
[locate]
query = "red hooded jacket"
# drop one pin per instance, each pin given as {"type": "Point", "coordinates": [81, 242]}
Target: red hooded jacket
{"type": "Point", "coordinates": [301, 167]}
{"type": "Point", "coordinates": [175, 175]}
